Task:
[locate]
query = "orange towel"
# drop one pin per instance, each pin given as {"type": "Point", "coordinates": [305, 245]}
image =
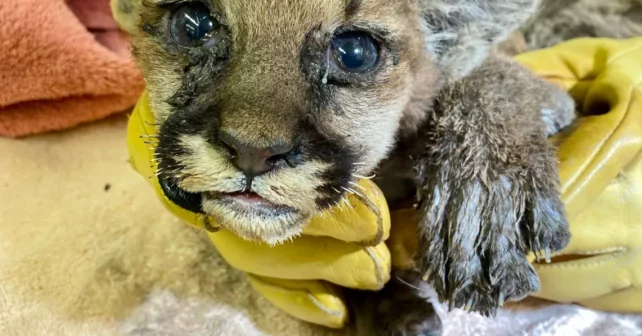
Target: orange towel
{"type": "Point", "coordinates": [62, 63]}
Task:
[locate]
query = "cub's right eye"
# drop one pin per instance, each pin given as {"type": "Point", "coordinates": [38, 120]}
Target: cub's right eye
{"type": "Point", "coordinates": [192, 25]}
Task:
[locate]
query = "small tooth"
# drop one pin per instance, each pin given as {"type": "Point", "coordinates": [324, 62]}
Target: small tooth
{"type": "Point", "coordinates": [501, 299]}
{"type": "Point", "coordinates": [547, 253]}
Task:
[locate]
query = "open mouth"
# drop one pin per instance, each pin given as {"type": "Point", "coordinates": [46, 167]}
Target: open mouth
{"type": "Point", "coordinates": [248, 202]}
{"type": "Point", "coordinates": [239, 201]}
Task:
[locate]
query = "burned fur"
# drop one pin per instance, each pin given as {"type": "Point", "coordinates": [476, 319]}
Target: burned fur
{"type": "Point", "coordinates": [558, 21]}
{"type": "Point", "coordinates": [467, 128]}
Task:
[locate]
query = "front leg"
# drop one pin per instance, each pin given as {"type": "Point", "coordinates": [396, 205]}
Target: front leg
{"type": "Point", "coordinates": [488, 185]}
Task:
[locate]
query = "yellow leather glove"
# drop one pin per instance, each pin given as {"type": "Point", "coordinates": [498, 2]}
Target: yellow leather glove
{"type": "Point", "coordinates": [343, 247]}
{"type": "Point", "coordinates": [601, 177]}
{"type": "Point", "coordinates": [601, 173]}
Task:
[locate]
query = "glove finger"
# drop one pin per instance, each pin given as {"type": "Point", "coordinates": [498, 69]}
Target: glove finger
{"type": "Point", "coordinates": [625, 301]}
{"type": "Point", "coordinates": [361, 218]}
{"type": "Point", "coordinates": [572, 61]}
{"type": "Point", "coordinates": [588, 277]}
{"type": "Point", "coordinates": [601, 145]}
{"type": "Point", "coordinates": [316, 302]}
{"type": "Point", "coordinates": [308, 258]}
{"type": "Point", "coordinates": [403, 240]}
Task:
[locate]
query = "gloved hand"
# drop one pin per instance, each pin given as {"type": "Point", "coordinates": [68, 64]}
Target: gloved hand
{"type": "Point", "coordinates": [601, 177]}
{"type": "Point", "coordinates": [342, 247]}
{"type": "Point", "coordinates": [601, 173]}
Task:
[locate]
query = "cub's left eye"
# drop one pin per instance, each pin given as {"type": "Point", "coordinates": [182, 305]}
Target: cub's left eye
{"type": "Point", "coordinates": [192, 25]}
{"type": "Point", "coordinates": [355, 52]}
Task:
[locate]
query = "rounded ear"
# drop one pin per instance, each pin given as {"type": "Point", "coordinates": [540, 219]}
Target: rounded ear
{"type": "Point", "coordinates": [126, 14]}
{"type": "Point", "coordinates": [460, 34]}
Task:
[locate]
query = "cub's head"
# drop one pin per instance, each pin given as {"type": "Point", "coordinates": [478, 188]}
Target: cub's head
{"type": "Point", "coordinates": [269, 110]}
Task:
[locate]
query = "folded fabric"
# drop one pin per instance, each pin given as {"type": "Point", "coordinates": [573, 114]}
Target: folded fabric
{"type": "Point", "coordinates": [63, 63]}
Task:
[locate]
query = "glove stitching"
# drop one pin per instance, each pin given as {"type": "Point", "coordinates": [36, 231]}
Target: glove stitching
{"type": "Point", "coordinates": [576, 264]}
{"type": "Point", "coordinates": [604, 251]}
{"type": "Point", "coordinates": [311, 297]}
{"type": "Point", "coordinates": [316, 302]}
{"type": "Point", "coordinates": [375, 211]}
{"type": "Point", "coordinates": [377, 262]}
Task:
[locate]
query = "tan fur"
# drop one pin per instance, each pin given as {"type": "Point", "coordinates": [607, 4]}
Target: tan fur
{"type": "Point", "coordinates": [559, 21]}
{"type": "Point", "coordinates": [262, 91]}
{"type": "Point", "coordinates": [467, 127]}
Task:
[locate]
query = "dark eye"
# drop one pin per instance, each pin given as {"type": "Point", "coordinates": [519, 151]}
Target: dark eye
{"type": "Point", "coordinates": [355, 52]}
{"type": "Point", "coordinates": [192, 24]}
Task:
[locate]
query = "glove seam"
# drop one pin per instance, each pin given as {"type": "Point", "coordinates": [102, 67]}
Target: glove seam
{"type": "Point", "coordinates": [311, 297]}
{"type": "Point", "coordinates": [604, 251]}
{"type": "Point", "coordinates": [375, 211]}
{"type": "Point", "coordinates": [576, 264]}
{"type": "Point", "coordinates": [316, 302]}
{"type": "Point", "coordinates": [377, 263]}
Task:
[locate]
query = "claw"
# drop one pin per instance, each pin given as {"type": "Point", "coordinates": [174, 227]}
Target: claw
{"type": "Point", "coordinates": [425, 276]}
{"type": "Point", "coordinates": [500, 300]}
{"type": "Point", "coordinates": [547, 254]}
{"type": "Point", "coordinates": [469, 305]}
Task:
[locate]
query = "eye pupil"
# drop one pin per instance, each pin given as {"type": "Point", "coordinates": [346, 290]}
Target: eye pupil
{"type": "Point", "coordinates": [197, 24]}
{"type": "Point", "coordinates": [191, 24]}
{"type": "Point", "coordinates": [355, 52]}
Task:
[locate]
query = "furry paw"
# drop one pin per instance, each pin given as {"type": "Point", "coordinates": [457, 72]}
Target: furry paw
{"type": "Point", "coordinates": [474, 237]}
{"type": "Point", "coordinates": [403, 308]}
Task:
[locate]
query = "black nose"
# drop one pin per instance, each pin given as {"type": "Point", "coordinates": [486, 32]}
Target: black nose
{"type": "Point", "coordinates": [255, 160]}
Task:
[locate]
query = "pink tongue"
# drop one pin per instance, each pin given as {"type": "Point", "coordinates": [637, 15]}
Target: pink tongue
{"type": "Point", "coordinates": [248, 197]}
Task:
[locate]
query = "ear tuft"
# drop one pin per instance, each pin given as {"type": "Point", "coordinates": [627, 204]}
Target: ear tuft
{"type": "Point", "coordinates": [460, 34]}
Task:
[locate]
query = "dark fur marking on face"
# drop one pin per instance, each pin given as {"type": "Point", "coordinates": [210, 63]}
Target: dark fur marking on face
{"type": "Point", "coordinates": [353, 7]}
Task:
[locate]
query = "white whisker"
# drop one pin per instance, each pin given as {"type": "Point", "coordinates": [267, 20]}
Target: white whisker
{"type": "Point", "coordinates": [357, 185]}
{"type": "Point", "coordinates": [409, 285]}
{"type": "Point", "coordinates": [353, 191]}
{"type": "Point", "coordinates": [365, 177]}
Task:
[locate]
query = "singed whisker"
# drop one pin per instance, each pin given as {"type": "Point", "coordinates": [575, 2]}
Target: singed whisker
{"type": "Point", "coordinates": [365, 177]}
{"type": "Point", "coordinates": [352, 191]}
{"type": "Point", "coordinates": [357, 185]}
{"type": "Point", "coordinates": [409, 285]}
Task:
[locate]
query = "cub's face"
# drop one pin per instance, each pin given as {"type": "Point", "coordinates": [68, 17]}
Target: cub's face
{"type": "Point", "coordinates": [269, 111]}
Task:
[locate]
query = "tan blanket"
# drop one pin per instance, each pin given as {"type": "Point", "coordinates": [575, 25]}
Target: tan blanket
{"type": "Point", "coordinates": [86, 249]}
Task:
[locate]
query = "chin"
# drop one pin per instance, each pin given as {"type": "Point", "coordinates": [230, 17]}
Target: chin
{"type": "Point", "coordinates": [253, 218]}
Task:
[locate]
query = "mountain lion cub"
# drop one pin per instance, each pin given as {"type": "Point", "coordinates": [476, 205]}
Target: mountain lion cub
{"type": "Point", "coordinates": [269, 111]}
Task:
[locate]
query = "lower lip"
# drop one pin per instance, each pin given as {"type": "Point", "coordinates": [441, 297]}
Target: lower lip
{"type": "Point", "coordinates": [247, 201]}
{"type": "Point", "coordinates": [248, 198]}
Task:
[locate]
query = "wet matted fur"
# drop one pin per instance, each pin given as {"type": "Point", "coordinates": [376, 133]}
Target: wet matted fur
{"type": "Point", "coordinates": [561, 20]}
{"type": "Point", "coordinates": [465, 128]}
